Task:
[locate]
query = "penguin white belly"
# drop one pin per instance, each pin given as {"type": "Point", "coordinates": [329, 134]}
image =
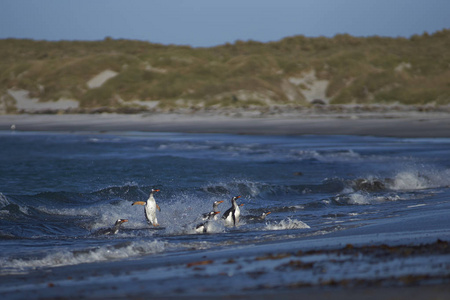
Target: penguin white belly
{"type": "Point", "coordinates": [229, 219]}
{"type": "Point", "coordinates": [201, 228]}
{"type": "Point", "coordinates": [237, 215]}
{"type": "Point", "coordinates": [150, 213]}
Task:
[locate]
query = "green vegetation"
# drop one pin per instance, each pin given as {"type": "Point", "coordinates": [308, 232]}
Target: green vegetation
{"type": "Point", "coordinates": [357, 70]}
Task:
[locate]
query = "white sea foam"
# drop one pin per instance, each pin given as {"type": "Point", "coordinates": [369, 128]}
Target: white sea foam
{"type": "Point", "coordinates": [214, 226]}
{"type": "Point", "coordinates": [362, 198]}
{"type": "Point", "coordinates": [358, 198]}
{"type": "Point", "coordinates": [180, 215]}
{"type": "Point", "coordinates": [82, 212]}
{"type": "Point", "coordinates": [423, 179]}
{"type": "Point", "coordinates": [287, 224]}
{"type": "Point", "coordinates": [332, 156]}
{"type": "Point", "coordinates": [410, 181]}
{"type": "Point", "coordinates": [64, 258]}
{"type": "Point", "coordinates": [3, 201]}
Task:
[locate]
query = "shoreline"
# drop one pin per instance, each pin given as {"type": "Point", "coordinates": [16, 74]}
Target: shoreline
{"type": "Point", "coordinates": [395, 124]}
{"type": "Point", "coordinates": [94, 280]}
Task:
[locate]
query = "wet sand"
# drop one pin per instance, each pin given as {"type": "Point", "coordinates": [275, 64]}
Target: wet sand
{"type": "Point", "coordinates": [415, 125]}
{"type": "Point", "coordinates": [257, 270]}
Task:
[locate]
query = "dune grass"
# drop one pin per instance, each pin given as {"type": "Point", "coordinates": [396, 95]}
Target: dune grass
{"type": "Point", "coordinates": [372, 70]}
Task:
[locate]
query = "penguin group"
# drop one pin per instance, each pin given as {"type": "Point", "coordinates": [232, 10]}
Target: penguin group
{"type": "Point", "coordinates": [230, 217]}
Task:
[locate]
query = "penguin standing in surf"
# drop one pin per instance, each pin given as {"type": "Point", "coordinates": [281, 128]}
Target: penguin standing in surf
{"type": "Point", "coordinates": [231, 216]}
{"type": "Point", "coordinates": [150, 207]}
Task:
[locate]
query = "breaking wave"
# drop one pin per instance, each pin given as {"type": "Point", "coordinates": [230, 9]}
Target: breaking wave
{"type": "Point", "coordinates": [74, 257]}
{"type": "Point", "coordinates": [418, 180]}
{"type": "Point", "coordinates": [404, 185]}
{"type": "Point", "coordinates": [361, 198]}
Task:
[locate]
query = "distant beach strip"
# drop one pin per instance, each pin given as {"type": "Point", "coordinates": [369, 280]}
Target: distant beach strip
{"type": "Point", "coordinates": [423, 125]}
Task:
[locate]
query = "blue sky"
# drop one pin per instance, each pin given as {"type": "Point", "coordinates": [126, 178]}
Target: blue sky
{"type": "Point", "coordinates": [208, 22]}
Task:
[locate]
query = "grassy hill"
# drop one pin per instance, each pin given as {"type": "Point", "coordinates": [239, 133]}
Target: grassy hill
{"type": "Point", "coordinates": [292, 71]}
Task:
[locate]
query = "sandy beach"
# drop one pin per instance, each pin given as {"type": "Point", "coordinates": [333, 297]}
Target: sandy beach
{"type": "Point", "coordinates": [413, 125]}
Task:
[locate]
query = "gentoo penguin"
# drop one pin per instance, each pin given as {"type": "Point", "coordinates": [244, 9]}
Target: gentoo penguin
{"type": "Point", "coordinates": [259, 218]}
{"type": "Point", "coordinates": [231, 216]}
{"type": "Point", "coordinates": [150, 208]}
{"type": "Point", "coordinates": [206, 216]}
{"type": "Point", "coordinates": [112, 230]}
{"type": "Point", "coordinates": [204, 227]}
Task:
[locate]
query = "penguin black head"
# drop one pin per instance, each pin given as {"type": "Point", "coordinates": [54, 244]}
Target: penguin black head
{"type": "Point", "coordinates": [264, 215]}
{"type": "Point", "coordinates": [120, 221]}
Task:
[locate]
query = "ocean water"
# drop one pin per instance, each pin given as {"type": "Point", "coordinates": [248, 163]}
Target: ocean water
{"type": "Point", "coordinates": [58, 189]}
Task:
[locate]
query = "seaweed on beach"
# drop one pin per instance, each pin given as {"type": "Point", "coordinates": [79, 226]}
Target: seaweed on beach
{"type": "Point", "coordinates": [350, 256]}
